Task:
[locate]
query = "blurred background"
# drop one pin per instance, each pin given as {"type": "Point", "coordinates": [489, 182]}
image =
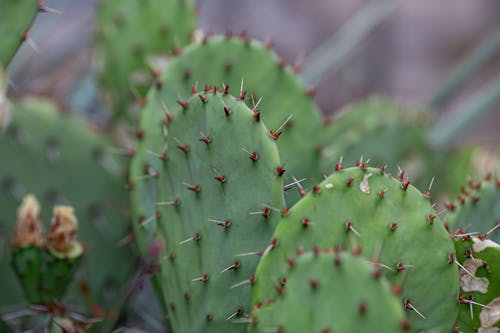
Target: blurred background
{"type": "Point", "coordinates": [407, 55]}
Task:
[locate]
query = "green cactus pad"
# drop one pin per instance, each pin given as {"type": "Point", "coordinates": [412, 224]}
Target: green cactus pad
{"type": "Point", "coordinates": [229, 61]}
{"type": "Point", "coordinates": [479, 283]}
{"type": "Point", "coordinates": [378, 129]}
{"type": "Point", "coordinates": [27, 263]}
{"type": "Point", "coordinates": [60, 160]}
{"type": "Point", "coordinates": [392, 222]}
{"type": "Point", "coordinates": [324, 292]}
{"type": "Point", "coordinates": [215, 193]}
{"type": "Point", "coordinates": [130, 33]}
{"type": "Point", "coordinates": [16, 17]}
{"type": "Point", "coordinates": [477, 208]}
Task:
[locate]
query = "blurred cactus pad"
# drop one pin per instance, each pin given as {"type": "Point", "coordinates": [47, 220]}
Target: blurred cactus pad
{"type": "Point", "coordinates": [62, 160]}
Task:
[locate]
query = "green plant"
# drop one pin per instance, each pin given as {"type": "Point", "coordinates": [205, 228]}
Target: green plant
{"type": "Point", "coordinates": [238, 190]}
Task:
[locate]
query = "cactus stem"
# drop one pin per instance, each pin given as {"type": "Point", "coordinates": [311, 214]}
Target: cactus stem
{"type": "Point", "coordinates": [252, 155]}
{"type": "Point", "coordinates": [234, 266]}
{"type": "Point", "coordinates": [410, 306]}
{"type": "Point", "coordinates": [196, 237]}
{"type": "Point", "coordinates": [224, 224]}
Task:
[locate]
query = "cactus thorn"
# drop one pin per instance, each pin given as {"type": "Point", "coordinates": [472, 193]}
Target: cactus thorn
{"type": "Point", "coordinates": [194, 188]}
{"type": "Point", "coordinates": [427, 193]}
{"type": "Point", "coordinates": [205, 138]}
{"type": "Point", "coordinates": [249, 281]}
{"type": "Point", "coordinates": [252, 155]}
{"type": "Point", "coordinates": [196, 237]}
{"type": "Point", "coordinates": [176, 202]}
{"type": "Point", "coordinates": [203, 278]}
{"type": "Point", "coordinates": [237, 312]}
{"type": "Point", "coordinates": [295, 182]}
{"type": "Point", "coordinates": [410, 306]}
{"type": "Point", "coordinates": [232, 267]}
{"type": "Point", "coordinates": [183, 147]}
{"type": "Point", "coordinates": [275, 134]}
{"type": "Point", "coordinates": [225, 223]}
{"type": "Point", "coordinates": [338, 165]}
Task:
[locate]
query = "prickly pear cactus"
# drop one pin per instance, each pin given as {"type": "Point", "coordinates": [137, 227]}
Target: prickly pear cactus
{"type": "Point", "coordinates": [61, 161]}
{"type": "Point", "coordinates": [130, 34]}
{"type": "Point", "coordinates": [366, 129]}
{"type": "Point", "coordinates": [477, 208]}
{"type": "Point", "coordinates": [391, 222]}
{"type": "Point", "coordinates": [219, 196]}
{"type": "Point", "coordinates": [327, 292]}
{"type": "Point", "coordinates": [479, 285]}
{"type": "Point", "coordinates": [286, 108]}
{"type": "Point", "coordinates": [16, 17]}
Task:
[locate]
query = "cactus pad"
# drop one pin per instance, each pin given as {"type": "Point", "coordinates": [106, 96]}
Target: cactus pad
{"type": "Point", "coordinates": [393, 224]}
{"type": "Point", "coordinates": [377, 129]}
{"type": "Point", "coordinates": [131, 32]}
{"type": "Point", "coordinates": [60, 160]}
{"type": "Point", "coordinates": [477, 208]}
{"type": "Point", "coordinates": [16, 17]}
{"type": "Point", "coordinates": [231, 61]}
{"type": "Point", "coordinates": [341, 294]}
{"type": "Point", "coordinates": [217, 192]}
{"type": "Point", "coordinates": [479, 284]}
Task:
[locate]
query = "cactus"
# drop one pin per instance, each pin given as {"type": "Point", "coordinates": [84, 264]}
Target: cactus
{"type": "Point", "coordinates": [216, 194]}
{"type": "Point", "coordinates": [45, 267]}
{"type": "Point", "coordinates": [477, 208]}
{"type": "Point", "coordinates": [16, 17]}
{"type": "Point", "coordinates": [130, 34]}
{"type": "Point", "coordinates": [392, 222]}
{"type": "Point", "coordinates": [341, 293]}
{"type": "Point", "coordinates": [479, 283]}
{"type": "Point", "coordinates": [60, 160]}
{"type": "Point", "coordinates": [232, 61]}
{"type": "Point", "coordinates": [365, 129]}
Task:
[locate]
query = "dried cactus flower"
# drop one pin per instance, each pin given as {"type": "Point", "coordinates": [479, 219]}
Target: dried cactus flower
{"type": "Point", "coordinates": [62, 233]}
{"type": "Point", "coordinates": [28, 229]}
